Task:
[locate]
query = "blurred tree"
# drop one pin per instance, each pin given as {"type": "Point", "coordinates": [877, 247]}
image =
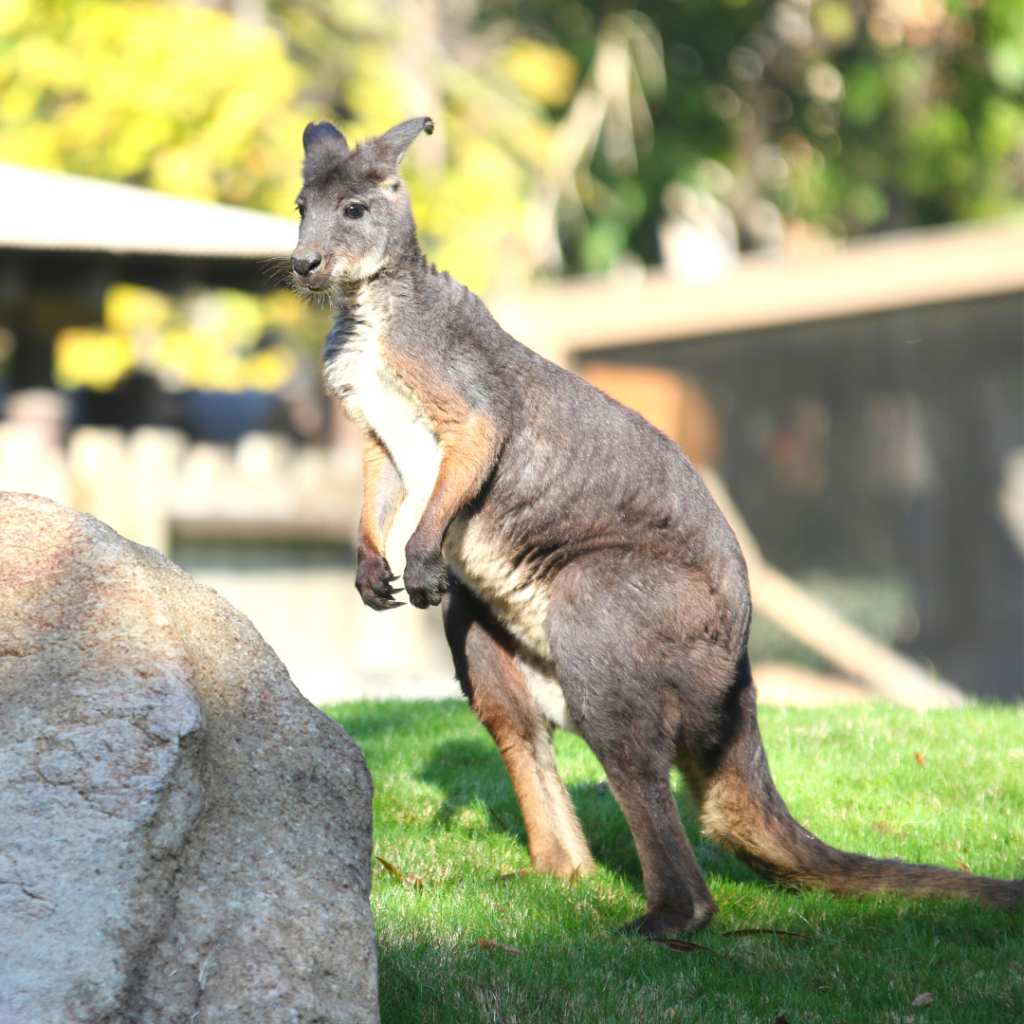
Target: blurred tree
{"type": "Point", "coordinates": [609, 111]}
{"type": "Point", "coordinates": [213, 339]}
{"type": "Point", "coordinates": [209, 100]}
{"type": "Point", "coordinates": [805, 116]}
{"type": "Point", "coordinates": [176, 96]}
{"type": "Point", "coordinates": [567, 129]}
{"type": "Point", "coordinates": [491, 90]}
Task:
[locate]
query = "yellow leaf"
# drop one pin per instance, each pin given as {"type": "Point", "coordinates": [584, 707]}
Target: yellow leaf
{"type": "Point", "coordinates": [90, 357]}
{"type": "Point", "coordinates": [547, 73]}
{"type": "Point", "coordinates": [130, 307]}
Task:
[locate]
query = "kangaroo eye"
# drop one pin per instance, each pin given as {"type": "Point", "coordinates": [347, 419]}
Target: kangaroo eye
{"type": "Point", "coordinates": [354, 211]}
{"type": "Point", "coordinates": [301, 207]}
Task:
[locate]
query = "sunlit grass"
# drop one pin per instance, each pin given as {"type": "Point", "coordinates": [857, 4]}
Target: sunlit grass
{"type": "Point", "coordinates": [446, 818]}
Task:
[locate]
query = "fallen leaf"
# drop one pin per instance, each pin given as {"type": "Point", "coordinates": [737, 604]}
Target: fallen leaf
{"type": "Point", "coordinates": [575, 876]}
{"type": "Point", "coordinates": [390, 868]}
{"type": "Point", "coordinates": [962, 866]}
{"type": "Point", "coordinates": [919, 758]}
{"type": "Point", "coordinates": [680, 945]}
{"type": "Point", "coordinates": [924, 999]}
{"type": "Point", "coordinates": [495, 947]}
{"type": "Point", "coordinates": [764, 931]}
{"type": "Point", "coordinates": [498, 818]}
{"type": "Point", "coordinates": [413, 881]}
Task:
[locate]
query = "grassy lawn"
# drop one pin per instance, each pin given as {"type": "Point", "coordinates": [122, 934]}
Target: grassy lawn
{"type": "Point", "coordinates": [942, 787]}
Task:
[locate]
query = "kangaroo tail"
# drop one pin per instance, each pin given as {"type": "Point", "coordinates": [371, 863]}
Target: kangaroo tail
{"type": "Point", "coordinates": [742, 811]}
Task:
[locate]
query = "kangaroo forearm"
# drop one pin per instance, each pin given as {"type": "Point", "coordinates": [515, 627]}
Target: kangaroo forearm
{"type": "Point", "coordinates": [383, 495]}
{"type": "Point", "coordinates": [468, 454]}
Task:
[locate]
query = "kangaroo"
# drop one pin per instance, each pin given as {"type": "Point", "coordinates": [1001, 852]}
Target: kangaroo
{"type": "Point", "coordinates": [587, 577]}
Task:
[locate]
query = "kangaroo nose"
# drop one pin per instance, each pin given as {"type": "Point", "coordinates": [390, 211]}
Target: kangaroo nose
{"type": "Point", "coordinates": [304, 264]}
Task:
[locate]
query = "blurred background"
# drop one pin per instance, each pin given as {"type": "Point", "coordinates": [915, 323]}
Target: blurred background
{"type": "Point", "coordinates": [791, 233]}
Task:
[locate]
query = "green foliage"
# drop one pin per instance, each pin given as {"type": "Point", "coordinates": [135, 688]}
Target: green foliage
{"type": "Point", "coordinates": [188, 99]}
{"type": "Point", "coordinates": [885, 114]}
{"type": "Point", "coordinates": [447, 821]}
{"type": "Point", "coordinates": [491, 96]}
{"type": "Point", "coordinates": [847, 115]}
{"type": "Point", "coordinates": [214, 339]}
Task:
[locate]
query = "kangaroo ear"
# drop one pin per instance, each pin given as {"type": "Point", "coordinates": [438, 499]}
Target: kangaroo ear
{"type": "Point", "coordinates": [323, 132]}
{"type": "Point", "coordinates": [398, 139]}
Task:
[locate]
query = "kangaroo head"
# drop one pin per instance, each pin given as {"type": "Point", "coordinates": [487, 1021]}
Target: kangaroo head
{"type": "Point", "coordinates": [356, 214]}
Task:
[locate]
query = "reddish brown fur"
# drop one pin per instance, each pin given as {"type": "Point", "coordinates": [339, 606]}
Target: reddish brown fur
{"type": "Point", "coordinates": [381, 497]}
{"type": "Point", "coordinates": [466, 455]}
{"type": "Point", "coordinates": [486, 659]}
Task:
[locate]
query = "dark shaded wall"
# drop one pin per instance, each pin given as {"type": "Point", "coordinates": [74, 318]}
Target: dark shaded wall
{"type": "Point", "coordinates": [878, 444]}
{"type": "Point", "coordinates": [43, 291]}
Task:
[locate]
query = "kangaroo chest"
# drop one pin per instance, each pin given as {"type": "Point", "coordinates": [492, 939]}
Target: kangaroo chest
{"type": "Point", "coordinates": [373, 395]}
{"type": "Point", "coordinates": [361, 373]}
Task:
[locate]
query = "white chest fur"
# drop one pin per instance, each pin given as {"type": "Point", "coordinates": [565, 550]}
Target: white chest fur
{"type": "Point", "coordinates": [376, 398]}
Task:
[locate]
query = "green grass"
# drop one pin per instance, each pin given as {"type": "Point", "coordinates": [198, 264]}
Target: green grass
{"type": "Point", "coordinates": [445, 816]}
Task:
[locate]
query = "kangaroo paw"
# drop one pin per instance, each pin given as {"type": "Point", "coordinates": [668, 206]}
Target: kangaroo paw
{"type": "Point", "coordinates": [426, 578]}
{"type": "Point", "coordinates": [373, 581]}
{"type": "Point", "coordinates": [665, 923]}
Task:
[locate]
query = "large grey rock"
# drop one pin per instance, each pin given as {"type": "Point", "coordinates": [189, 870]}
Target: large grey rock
{"type": "Point", "coordinates": [183, 837]}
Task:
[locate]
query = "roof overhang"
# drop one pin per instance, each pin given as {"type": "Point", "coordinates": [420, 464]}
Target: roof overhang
{"type": "Point", "coordinates": [52, 211]}
{"type": "Point", "coordinates": [899, 270]}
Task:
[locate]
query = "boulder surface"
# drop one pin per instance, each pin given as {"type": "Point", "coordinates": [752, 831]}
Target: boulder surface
{"type": "Point", "coordinates": [183, 837]}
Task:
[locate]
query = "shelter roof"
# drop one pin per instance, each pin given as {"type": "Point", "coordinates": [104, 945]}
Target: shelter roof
{"type": "Point", "coordinates": [897, 270]}
{"type": "Point", "coordinates": [49, 210]}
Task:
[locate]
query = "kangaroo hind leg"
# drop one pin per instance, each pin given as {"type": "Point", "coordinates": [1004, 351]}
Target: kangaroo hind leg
{"type": "Point", "coordinates": [622, 687]}
{"type": "Point", "coordinates": [494, 676]}
{"type": "Point", "coordinates": [724, 763]}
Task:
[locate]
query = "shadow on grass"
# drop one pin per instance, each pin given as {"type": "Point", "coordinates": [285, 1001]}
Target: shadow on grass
{"type": "Point", "coordinates": [858, 958]}
{"type": "Point", "coordinates": [468, 771]}
{"type": "Point", "coordinates": [453, 752]}
{"type": "Point", "coordinates": [854, 960]}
